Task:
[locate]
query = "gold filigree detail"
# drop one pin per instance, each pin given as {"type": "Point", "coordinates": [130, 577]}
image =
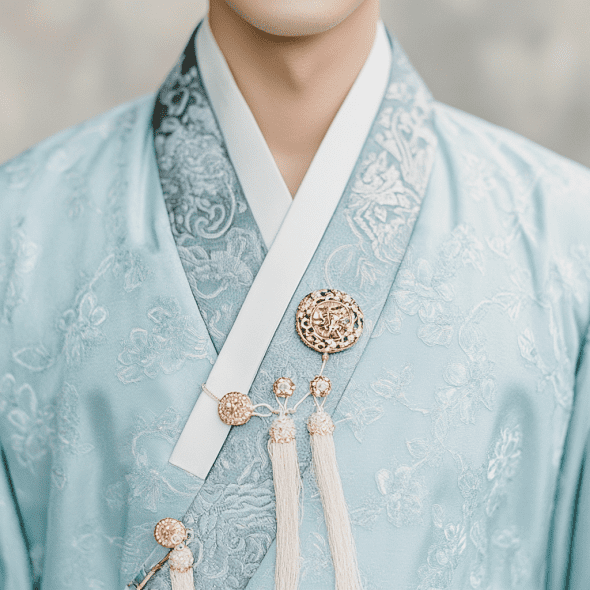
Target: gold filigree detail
{"type": "Point", "coordinates": [235, 408]}
{"type": "Point", "coordinates": [329, 321]}
{"type": "Point", "coordinates": [170, 532]}
{"type": "Point", "coordinates": [320, 423]}
{"type": "Point", "coordinates": [320, 386]}
{"type": "Point", "coordinates": [283, 387]}
{"type": "Point", "coordinates": [282, 430]}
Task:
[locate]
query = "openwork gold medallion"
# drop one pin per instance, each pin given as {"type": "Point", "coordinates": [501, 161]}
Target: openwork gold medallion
{"type": "Point", "coordinates": [235, 408]}
{"type": "Point", "coordinates": [170, 532]}
{"type": "Point", "coordinates": [329, 321]}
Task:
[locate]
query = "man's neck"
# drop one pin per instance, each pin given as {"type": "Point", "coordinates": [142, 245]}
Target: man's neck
{"type": "Point", "coordinates": [294, 86]}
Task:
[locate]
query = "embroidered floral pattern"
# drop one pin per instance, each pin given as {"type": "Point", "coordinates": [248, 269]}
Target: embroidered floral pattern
{"type": "Point", "coordinates": [172, 340]}
{"type": "Point", "coordinates": [80, 325]}
{"type": "Point", "coordinates": [395, 385]}
{"type": "Point", "coordinates": [149, 482]}
{"type": "Point", "coordinates": [421, 290]}
{"type": "Point", "coordinates": [208, 213]}
{"type": "Point", "coordinates": [444, 553]}
{"type": "Point", "coordinates": [499, 551]}
{"type": "Point", "coordinates": [32, 424]}
{"type": "Point", "coordinates": [358, 410]}
{"type": "Point", "coordinates": [14, 268]}
{"type": "Point", "coordinates": [42, 428]}
{"type": "Point", "coordinates": [404, 493]}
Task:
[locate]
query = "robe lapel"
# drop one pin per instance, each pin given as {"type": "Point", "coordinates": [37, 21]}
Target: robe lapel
{"type": "Point", "coordinates": [233, 513]}
{"type": "Point", "coordinates": [217, 238]}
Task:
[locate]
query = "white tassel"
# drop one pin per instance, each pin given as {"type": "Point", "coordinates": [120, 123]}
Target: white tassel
{"type": "Point", "coordinates": [181, 568]}
{"type": "Point", "coordinates": [287, 481]}
{"type": "Point", "coordinates": [321, 427]}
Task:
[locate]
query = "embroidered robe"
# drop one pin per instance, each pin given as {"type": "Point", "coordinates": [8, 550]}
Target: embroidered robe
{"type": "Point", "coordinates": [462, 414]}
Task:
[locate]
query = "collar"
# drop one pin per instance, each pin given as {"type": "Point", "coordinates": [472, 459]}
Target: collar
{"type": "Point", "coordinates": [262, 183]}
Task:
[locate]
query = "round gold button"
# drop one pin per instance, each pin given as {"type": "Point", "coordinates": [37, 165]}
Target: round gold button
{"type": "Point", "coordinates": [170, 533]}
{"type": "Point", "coordinates": [235, 408]}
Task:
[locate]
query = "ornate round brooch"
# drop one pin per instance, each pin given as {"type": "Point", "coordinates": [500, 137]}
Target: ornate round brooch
{"type": "Point", "coordinates": [170, 533]}
{"type": "Point", "coordinates": [329, 321]}
{"type": "Point", "coordinates": [235, 408]}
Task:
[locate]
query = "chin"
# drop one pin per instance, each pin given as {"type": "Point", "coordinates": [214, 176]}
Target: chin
{"type": "Point", "coordinates": [294, 18]}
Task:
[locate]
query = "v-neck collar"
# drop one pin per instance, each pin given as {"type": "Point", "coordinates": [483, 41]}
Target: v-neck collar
{"type": "Point", "coordinates": [360, 254]}
{"type": "Point", "coordinates": [285, 264]}
{"type": "Point", "coordinates": [260, 178]}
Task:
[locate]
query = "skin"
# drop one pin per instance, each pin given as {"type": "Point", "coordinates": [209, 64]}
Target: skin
{"type": "Point", "coordinates": [294, 62]}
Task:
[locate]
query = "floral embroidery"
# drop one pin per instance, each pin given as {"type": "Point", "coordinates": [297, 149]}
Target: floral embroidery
{"type": "Point", "coordinates": [88, 540]}
{"type": "Point", "coordinates": [79, 196]}
{"type": "Point", "coordinates": [115, 495]}
{"type": "Point", "coordinates": [32, 425]}
{"type": "Point", "coordinates": [359, 411]}
{"type": "Point", "coordinates": [478, 178]}
{"type": "Point", "coordinates": [130, 265]}
{"type": "Point", "coordinates": [150, 483]}
{"type": "Point", "coordinates": [67, 431]}
{"type": "Point", "coordinates": [172, 340]}
{"type": "Point", "coordinates": [467, 385]}
{"type": "Point", "coordinates": [502, 466]}
{"type": "Point", "coordinates": [223, 268]}
{"type": "Point", "coordinates": [394, 387]}
{"type": "Point", "coordinates": [444, 553]}
{"type": "Point", "coordinates": [499, 551]}
{"type": "Point", "coordinates": [421, 290]}
{"type": "Point", "coordinates": [80, 325]}
{"type": "Point", "coordinates": [214, 528]}
{"type": "Point", "coordinates": [39, 429]}
{"type": "Point", "coordinates": [21, 261]}
{"type": "Point", "coordinates": [35, 358]}
{"type": "Point", "coordinates": [208, 213]}
{"type": "Point", "coordinates": [404, 494]}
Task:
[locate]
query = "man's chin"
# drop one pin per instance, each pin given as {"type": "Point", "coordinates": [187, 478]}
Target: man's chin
{"type": "Point", "coordinates": [289, 18]}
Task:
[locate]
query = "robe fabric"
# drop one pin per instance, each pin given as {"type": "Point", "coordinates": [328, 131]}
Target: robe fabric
{"type": "Point", "coordinates": [462, 414]}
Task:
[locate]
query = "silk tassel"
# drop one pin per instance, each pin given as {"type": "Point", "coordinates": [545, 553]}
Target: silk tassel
{"type": "Point", "coordinates": [282, 449]}
{"type": "Point", "coordinates": [342, 547]}
{"type": "Point", "coordinates": [181, 568]}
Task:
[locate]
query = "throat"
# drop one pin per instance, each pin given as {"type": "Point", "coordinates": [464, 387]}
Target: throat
{"type": "Point", "coordinates": [293, 167]}
{"type": "Point", "coordinates": [295, 86]}
{"type": "Point", "coordinates": [294, 146]}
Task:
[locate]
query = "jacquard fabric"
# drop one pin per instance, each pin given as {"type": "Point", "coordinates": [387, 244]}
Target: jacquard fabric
{"type": "Point", "coordinates": [462, 419]}
{"type": "Point", "coordinates": [391, 175]}
{"type": "Point", "coordinates": [218, 241]}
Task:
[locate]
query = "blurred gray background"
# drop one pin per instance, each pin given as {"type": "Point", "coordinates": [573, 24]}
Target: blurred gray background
{"type": "Point", "coordinates": [523, 64]}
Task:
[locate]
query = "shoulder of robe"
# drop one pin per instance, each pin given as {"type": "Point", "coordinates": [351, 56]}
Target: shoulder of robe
{"type": "Point", "coordinates": [50, 171]}
{"type": "Point", "coordinates": [513, 173]}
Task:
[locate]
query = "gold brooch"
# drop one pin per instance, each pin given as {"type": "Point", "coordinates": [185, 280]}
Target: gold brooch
{"type": "Point", "coordinates": [329, 321]}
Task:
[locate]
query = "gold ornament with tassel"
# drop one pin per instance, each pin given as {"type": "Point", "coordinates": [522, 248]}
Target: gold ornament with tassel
{"type": "Point", "coordinates": [173, 535]}
{"type": "Point", "coordinates": [329, 321]}
{"type": "Point", "coordinates": [235, 409]}
{"type": "Point", "coordinates": [287, 483]}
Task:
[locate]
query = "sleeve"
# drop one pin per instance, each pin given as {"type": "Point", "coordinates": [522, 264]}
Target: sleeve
{"type": "Point", "coordinates": [15, 567]}
{"type": "Point", "coordinates": [568, 560]}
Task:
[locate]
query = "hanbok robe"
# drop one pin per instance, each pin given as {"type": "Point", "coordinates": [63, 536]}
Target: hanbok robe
{"type": "Point", "coordinates": [128, 250]}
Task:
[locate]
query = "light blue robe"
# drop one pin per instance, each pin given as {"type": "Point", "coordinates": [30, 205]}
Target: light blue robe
{"type": "Point", "coordinates": [462, 413]}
